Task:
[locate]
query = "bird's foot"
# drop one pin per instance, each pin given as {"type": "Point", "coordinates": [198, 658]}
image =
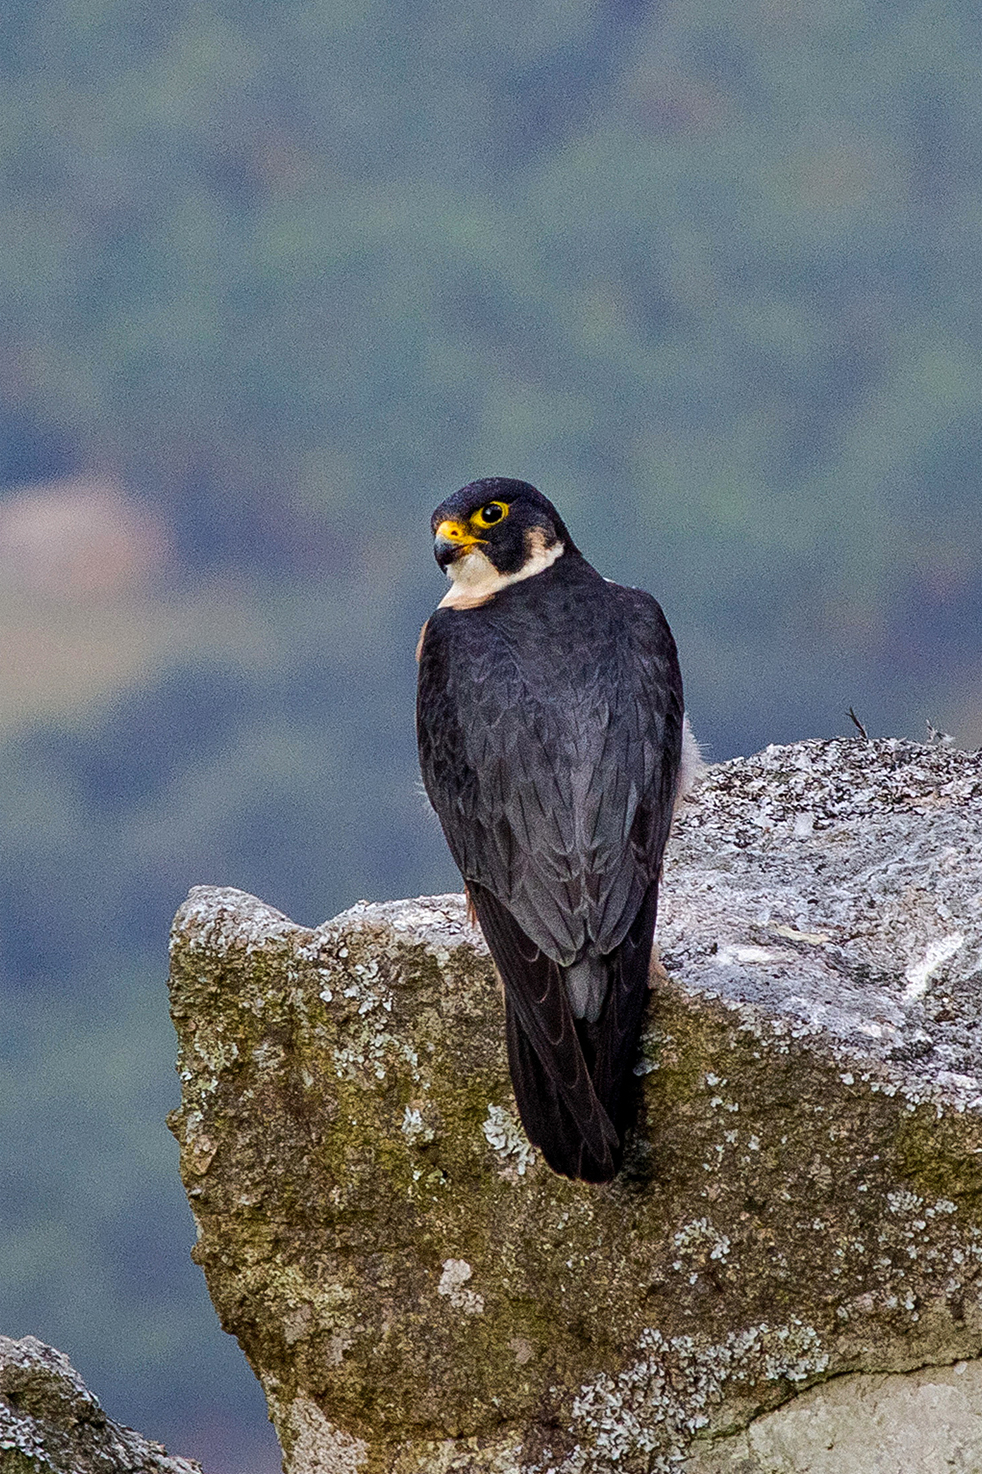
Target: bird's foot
{"type": "Point", "coordinates": [656, 972]}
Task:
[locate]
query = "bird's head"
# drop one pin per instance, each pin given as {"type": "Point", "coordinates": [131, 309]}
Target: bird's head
{"type": "Point", "coordinates": [494, 532]}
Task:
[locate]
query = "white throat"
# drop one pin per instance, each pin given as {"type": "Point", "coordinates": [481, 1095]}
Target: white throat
{"type": "Point", "coordinates": [474, 578]}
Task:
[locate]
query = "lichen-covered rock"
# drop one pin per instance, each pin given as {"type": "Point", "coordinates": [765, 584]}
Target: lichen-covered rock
{"type": "Point", "coordinates": [51, 1424]}
{"type": "Point", "coordinates": [414, 1287]}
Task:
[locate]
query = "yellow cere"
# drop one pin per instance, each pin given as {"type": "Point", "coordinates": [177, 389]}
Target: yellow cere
{"type": "Point", "coordinates": [456, 532]}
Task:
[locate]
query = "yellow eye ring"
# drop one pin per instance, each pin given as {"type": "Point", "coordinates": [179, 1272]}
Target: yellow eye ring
{"type": "Point", "coordinates": [489, 514]}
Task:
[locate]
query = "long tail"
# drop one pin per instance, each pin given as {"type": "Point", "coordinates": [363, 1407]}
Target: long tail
{"type": "Point", "coordinates": [573, 1078]}
{"type": "Point", "coordinates": [575, 1135]}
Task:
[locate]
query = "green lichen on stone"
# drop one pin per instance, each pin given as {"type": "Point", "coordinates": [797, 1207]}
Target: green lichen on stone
{"type": "Point", "coordinates": [12, 1462]}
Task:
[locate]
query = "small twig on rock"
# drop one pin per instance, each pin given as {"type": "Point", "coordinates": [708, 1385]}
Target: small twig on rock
{"type": "Point", "coordinates": [857, 723]}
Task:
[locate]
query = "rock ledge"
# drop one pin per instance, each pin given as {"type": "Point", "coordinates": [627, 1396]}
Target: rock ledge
{"type": "Point", "coordinates": [51, 1423]}
{"type": "Point", "coordinates": [415, 1289]}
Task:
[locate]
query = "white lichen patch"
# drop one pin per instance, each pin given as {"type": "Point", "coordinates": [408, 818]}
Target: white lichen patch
{"type": "Point", "coordinates": [456, 1273]}
{"type": "Point", "coordinates": [370, 1055]}
{"type": "Point", "coordinates": [904, 1201]}
{"type": "Point", "coordinates": [654, 1408]}
{"type": "Point", "coordinates": [367, 1043]}
{"type": "Point", "coordinates": [359, 987]}
{"type": "Point", "coordinates": [507, 1140]}
{"type": "Point", "coordinates": [216, 1051]}
{"type": "Point", "coordinates": [414, 1127]}
{"type": "Point", "coordinates": [318, 1447]}
{"type": "Point", "coordinates": [699, 1239]}
{"type": "Point", "coordinates": [22, 1436]}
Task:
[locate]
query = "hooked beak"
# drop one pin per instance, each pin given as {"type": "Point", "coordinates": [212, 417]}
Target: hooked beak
{"type": "Point", "coordinates": [451, 541]}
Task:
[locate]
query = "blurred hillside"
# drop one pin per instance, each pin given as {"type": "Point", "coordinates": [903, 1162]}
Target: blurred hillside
{"type": "Point", "coordinates": [275, 279]}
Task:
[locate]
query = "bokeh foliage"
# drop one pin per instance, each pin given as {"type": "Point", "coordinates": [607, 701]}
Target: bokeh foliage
{"type": "Point", "coordinates": [709, 275]}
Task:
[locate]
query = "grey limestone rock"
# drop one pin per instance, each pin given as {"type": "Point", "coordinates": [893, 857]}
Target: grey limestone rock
{"type": "Point", "coordinates": [927, 1421]}
{"type": "Point", "coordinates": [50, 1423]}
{"type": "Point", "coordinates": [802, 1202]}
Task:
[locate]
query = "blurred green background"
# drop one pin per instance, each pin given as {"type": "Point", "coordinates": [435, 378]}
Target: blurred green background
{"type": "Point", "coordinates": [276, 278]}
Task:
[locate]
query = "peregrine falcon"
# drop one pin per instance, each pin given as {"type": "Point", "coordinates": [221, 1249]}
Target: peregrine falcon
{"type": "Point", "coordinates": [550, 728]}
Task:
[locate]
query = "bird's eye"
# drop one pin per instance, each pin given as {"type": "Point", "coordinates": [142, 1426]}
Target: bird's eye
{"type": "Point", "coordinates": [490, 514]}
